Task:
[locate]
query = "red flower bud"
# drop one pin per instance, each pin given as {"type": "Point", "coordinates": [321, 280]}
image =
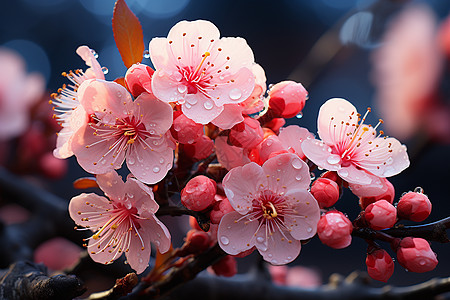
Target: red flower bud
{"type": "Point", "coordinates": [381, 215]}
{"type": "Point", "coordinates": [380, 265]}
{"type": "Point", "coordinates": [199, 193]}
{"type": "Point", "coordinates": [388, 195]}
{"type": "Point", "coordinates": [139, 79]}
{"type": "Point", "coordinates": [414, 206]}
{"type": "Point", "coordinates": [287, 98]}
{"type": "Point", "coordinates": [334, 230]}
{"type": "Point", "coordinates": [227, 266]}
{"type": "Point", "coordinates": [326, 192]}
{"type": "Point", "coordinates": [247, 134]}
{"type": "Point", "coordinates": [415, 255]}
{"type": "Point", "coordinates": [184, 130]}
{"type": "Point", "coordinates": [220, 209]}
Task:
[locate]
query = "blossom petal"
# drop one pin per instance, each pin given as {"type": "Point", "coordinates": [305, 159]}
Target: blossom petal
{"type": "Point", "coordinates": [286, 171]}
{"type": "Point", "coordinates": [241, 185]}
{"type": "Point", "coordinates": [158, 234]}
{"type": "Point", "coordinates": [150, 164]}
{"type": "Point", "coordinates": [91, 151]}
{"type": "Point", "coordinates": [112, 185]}
{"type": "Point", "coordinates": [139, 251]}
{"type": "Point", "coordinates": [352, 174]}
{"type": "Point", "coordinates": [339, 112]}
{"type": "Point", "coordinates": [235, 53]}
{"type": "Point", "coordinates": [230, 116]}
{"type": "Point", "coordinates": [306, 214]}
{"type": "Point", "coordinates": [166, 87]}
{"type": "Point", "coordinates": [155, 114]}
{"type": "Point", "coordinates": [105, 97]}
{"type": "Point", "coordinates": [229, 156]}
{"type": "Point", "coordinates": [158, 52]}
{"type": "Point", "coordinates": [319, 153]}
{"type": "Point", "coordinates": [84, 205]}
{"type": "Point", "coordinates": [200, 109]}
{"type": "Point", "coordinates": [86, 54]}
{"type": "Point", "coordinates": [232, 87]}
{"type": "Point", "coordinates": [293, 137]}
{"type": "Point", "coordinates": [142, 196]}
{"type": "Point", "coordinates": [277, 246]}
{"type": "Point", "coordinates": [236, 233]}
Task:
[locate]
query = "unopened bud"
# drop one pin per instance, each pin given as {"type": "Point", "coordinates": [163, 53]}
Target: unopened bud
{"type": "Point", "coordinates": [184, 130]}
{"type": "Point", "coordinates": [247, 134]}
{"type": "Point", "coordinates": [200, 149]}
{"type": "Point", "coordinates": [220, 209]}
{"type": "Point", "coordinates": [226, 267]}
{"type": "Point", "coordinates": [287, 98]}
{"type": "Point", "coordinates": [414, 206]}
{"type": "Point", "coordinates": [139, 79]}
{"type": "Point", "coordinates": [387, 195]}
{"type": "Point", "coordinates": [380, 265]}
{"type": "Point", "coordinates": [415, 255]}
{"type": "Point", "coordinates": [199, 193]}
{"type": "Point", "coordinates": [381, 215]}
{"type": "Point", "coordinates": [334, 230]}
{"type": "Point", "coordinates": [326, 192]}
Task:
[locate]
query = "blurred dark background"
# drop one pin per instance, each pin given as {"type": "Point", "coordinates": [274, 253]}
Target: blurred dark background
{"type": "Point", "coordinates": [281, 33]}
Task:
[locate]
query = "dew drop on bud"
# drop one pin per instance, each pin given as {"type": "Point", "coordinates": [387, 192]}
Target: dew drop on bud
{"type": "Point", "coordinates": [299, 115]}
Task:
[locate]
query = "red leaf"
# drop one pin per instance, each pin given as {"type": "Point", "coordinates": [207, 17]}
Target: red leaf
{"type": "Point", "coordinates": [127, 34]}
{"type": "Point", "coordinates": [85, 183]}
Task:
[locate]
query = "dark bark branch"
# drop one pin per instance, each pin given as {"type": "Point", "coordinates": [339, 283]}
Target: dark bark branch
{"type": "Point", "coordinates": [25, 280]}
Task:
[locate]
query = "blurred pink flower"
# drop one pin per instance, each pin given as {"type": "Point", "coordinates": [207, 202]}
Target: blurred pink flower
{"type": "Point", "coordinates": [407, 68]}
{"type": "Point", "coordinates": [67, 107]}
{"type": "Point", "coordinates": [124, 224]}
{"type": "Point", "coordinates": [18, 92]}
{"type": "Point", "coordinates": [201, 71]}
{"type": "Point", "coordinates": [273, 209]}
{"type": "Point", "coordinates": [351, 148]}
{"type": "Point", "coordinates": [119, 128]}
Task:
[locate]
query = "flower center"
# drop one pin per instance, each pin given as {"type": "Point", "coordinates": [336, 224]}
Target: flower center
{"type": "Point", "coordinates": [269, 211]}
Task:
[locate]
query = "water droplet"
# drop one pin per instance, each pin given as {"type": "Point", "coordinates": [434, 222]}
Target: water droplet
{"type": "Point", "coordinates": [296, 163]}
{"type": "Point", "coordinates": [229, 193]}
{"type": "Point", "coordinates": [343, 173]}
{"type": "Point", "coordinates": [224, 240]}
{"type": "Point", "coordinates": [270, 255]}
{"type": "Point", "coordinates": [141, 260]}
{"type": "Point", "coordinates": [260, 239]}
{"type": "Point", "coordinates": [208, 105]}
{"type": "Point", "coordinates": [105, 70]}
{"type": "Point", "coordinates": [144, 174]}
{"type": "Point", "coordinates": [192, 100]}
{"type": "Point", "coordinates": [389, 161]}
{"type": "Point", "coordinates": [94, 53]}
{"type": "Point", "coordinates": [156, 169]}
{"type": "Point", "coordinates": [418, 190]}
{"type": "Point", "coordinates": [333, 159]}
{"type": "Point", "coordinates": [182, 88]}
{"type": "Point", "coordinates": [235, 94]}
{"type": "Point", "coordinates": [341, 109]}
{"type": "Point", "coordinates": [274, 261]}
{"type": "Point", "coordinates": [157, 243]}
{"type": "Point", "coordinates": [177, 76]}
{"type": "Point", "coordinates": [312, 176]}
{"type": "Point", "coordinates": [146, 54]}
{"type": "Point", "coordinates": [161, 160]}
{"type": "Point", "coordinates": [298, 177]}
{"type": "Point", "coordinates": [221, 77]}
{"type": "Point", "coordinates": [309, 229]}
{"type": "Point", "coordinates": [299, 115]}
{"type": "Point", "coordinates": [187, 105]}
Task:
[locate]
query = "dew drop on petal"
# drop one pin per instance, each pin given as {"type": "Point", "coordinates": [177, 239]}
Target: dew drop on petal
{"type": "Point", "coordinates": [333, 159]}
{"type": "Point", "coordinates": [192, 100]}
{"type": "Point", "coordinates": [309, 229]}
{"type": "Point", "coordinates": [156, 169]}
{"type": "Point", "coordinates": [270, 255]}
{"type": "Point", "coordinates": [161, 160]}
{"type": "Point", "coordinates": [208, 105]}
{"type": "Point", "coordinates": [182, 88]}
{"type": "Point", "coordinates": [94, 53]}
{"type": "Point", "coordinates": [269, 142]}
{"type": "Point", "coordinates": [343, 173]}
{"type": "Point", "coordinates": [297, 164]}
{"type": "Point", "coordinates": [224, 240]}
{"type": "Point", "coordinates": [260, 239]}
{"type": "Point", "coordinates": [298, 177]}
{"type": "Point", "coordinates": [235, 94]}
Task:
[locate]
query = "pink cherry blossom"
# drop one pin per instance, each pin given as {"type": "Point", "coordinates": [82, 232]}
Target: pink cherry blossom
{"type": "Point", "coordinates": [352, 148]}
{"type": "Point", "coordinates": [407, 69]}
{"type": "Point", "coordinates": [125, 223]}
{"type": "Point", "coordinates": [201, 71]}
{"type": "Point", "coordinates": [119, 128]}
{"type": "Point", "coordinates": [230, 156]}
{"type": "Point", "coordinates": [18, 92]}
{"type": "Point", "coordinates": [232, 114]}
{"type": "Point", "coordinates": [273, 209]}
{"type": "Point", "coordinates": [67, 107]}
